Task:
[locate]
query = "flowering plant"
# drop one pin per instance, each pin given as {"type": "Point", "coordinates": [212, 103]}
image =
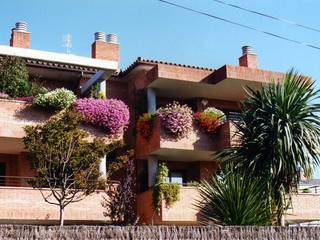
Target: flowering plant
{"type": "Point", "coordinates": [210, 119]}
{"type": "Point", "coordinates": [27, 98]}
{"type": "Point", "coordinates": [3, 95]}
{"type": "Point", "coordinates": [176, 119]}
{"type": "Point", "coordinates": [145, 125]}
{"type": "Point", "coordinates": [57, 99]}
{"type": "Point", "coordinates": [111, 114]}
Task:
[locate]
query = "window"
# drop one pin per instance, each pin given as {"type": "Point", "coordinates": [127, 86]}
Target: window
{"type": "Point", "coordinates": [176, 177]}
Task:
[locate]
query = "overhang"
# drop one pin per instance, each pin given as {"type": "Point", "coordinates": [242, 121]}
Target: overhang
{"type": "Point", "coordinates": [227, 83]}
{"type": "Point", "coordinates": [61, 58]}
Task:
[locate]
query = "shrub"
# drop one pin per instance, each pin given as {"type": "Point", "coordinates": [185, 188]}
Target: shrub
{"type": "Point", "coordinates": [111, 114]}
{"type": "Point", "coordinates": [14, 77]}
{"type": "Point", "coordinates": [210, 119]}
{"type": "Point", "coordinates": [233, 198]}
{"type": "Point", "coordinates": [57, 99]}
{"type": "Point", "coordinates": [145, 125]}
{"type": "Point", "coordinates": [175, 119]}
{"type": "Point", "coordinates": [36, 89]}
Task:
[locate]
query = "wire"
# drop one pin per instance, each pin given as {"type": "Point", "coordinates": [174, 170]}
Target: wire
{"type": "Point", "coordinates": [241, 25]}
{"type": "Point", "coordinates": [269, 16]}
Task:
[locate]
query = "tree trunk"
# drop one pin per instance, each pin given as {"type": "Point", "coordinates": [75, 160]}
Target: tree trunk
{"type": "Point", "coordinates": [61, 219]}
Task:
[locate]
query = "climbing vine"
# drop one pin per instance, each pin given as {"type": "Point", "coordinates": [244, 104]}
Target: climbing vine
{"type": "Point", "coordinates": [162, 190]}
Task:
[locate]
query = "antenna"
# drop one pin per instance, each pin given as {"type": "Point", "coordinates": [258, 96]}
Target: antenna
{"type": "Point", "coordinates": [67, 43]}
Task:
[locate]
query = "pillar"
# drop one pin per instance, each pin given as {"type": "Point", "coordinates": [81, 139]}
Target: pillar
{"type": "Point", "coordinates": [152, 106]}
{"type": "Point", "coordinates": [103, 166]}
{"type": "Point", "coordinates": [103, 88]}
{"type": "Point", "coordinates": [152, 170]}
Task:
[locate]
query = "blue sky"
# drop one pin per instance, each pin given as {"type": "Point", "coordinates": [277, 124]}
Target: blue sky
{"type": "Point", "coordinates": [151, 29]}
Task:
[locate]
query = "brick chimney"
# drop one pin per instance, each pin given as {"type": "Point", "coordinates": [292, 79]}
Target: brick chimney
{"type": "Point", "coordinates": [248, 59]}
{"type": "Point", "coordinates": [105, 47]}
{"type": "Point", "coordinates": [20, 37]}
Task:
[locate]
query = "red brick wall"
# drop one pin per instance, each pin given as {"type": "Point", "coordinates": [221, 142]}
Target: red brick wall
{"type": "Point", "coordinates": [248, 60]}
{"type": "Point", "coordinates": [183, 73]}
{"type": "Point", "coordinates": [106, 51]}
{"type": "Point", "coordinates": [20, 39]}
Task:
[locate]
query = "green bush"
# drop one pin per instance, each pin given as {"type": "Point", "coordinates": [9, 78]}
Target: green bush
{"type": "Point", "coordinates": [14, 77]}
{"type": "Point", "coordinates": [57, 99]}
{"type": "Point", "coordinates": [36, 88]}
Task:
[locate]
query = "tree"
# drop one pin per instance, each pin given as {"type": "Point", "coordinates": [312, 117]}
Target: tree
{"type": "Point", "coordinates": [14, 77]}
{"type": "Point", "coordinates": [119, 202]}
{"type": "Point", "coordinates": [231, 198]}
{"type": "Point", "coordinates": [279, 132]}
{"type": "Point", "coordinates": [66, 164]}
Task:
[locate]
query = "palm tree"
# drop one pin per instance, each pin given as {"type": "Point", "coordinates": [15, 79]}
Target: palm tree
{"type": "Point", "coordinates": [279, 132]}
{"type": "Point", "coordinates": [233, 199]}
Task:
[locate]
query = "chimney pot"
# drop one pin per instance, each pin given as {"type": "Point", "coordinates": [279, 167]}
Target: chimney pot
{"type": "Point", "coordinates": [106, 47]}
{"type": "Point", "coordinates": [112, 38]}
{"type": "Point", "coordinates": [21, 26]}
{"type": "Point", "coordinates": [248, 58]}
{"type": "Point", "coordinates": [246, 50]}
{"type": "Point", "coordinates": [100, 36]}
{"type": "Point", "coordinates": [20, 37]}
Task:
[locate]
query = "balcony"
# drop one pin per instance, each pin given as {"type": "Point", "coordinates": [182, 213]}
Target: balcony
{"type": "Point", "coordinates": [15, 115]}
{"type": "Point", "coordinates": [304, 208]}
{"type": "Point", "coordinates": [197, 146]}
{"type": "Point", "coordinates": [20, 203]}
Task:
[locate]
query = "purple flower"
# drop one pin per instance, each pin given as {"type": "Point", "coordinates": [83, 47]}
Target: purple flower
{"type": "Point", "coordinates": [176, 119]}
{"type": "Point", "coordinates": [111, 114]}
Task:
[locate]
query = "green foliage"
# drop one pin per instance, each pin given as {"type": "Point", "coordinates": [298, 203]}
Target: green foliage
{"type": "Point", "coordinates": [306, 190]}
{"type": "Point", "coordinates": [64, 161]}
{"type": "Point", "coordinates": [232, 198]}
{"type": "Point", "coordinates": [14, 77]}
{"type": "Point", "coordinates": [162, 190]}
{"type": "Point", "coordinates": [36, 88]}
{"type": "Point", "coordinates": [279, 132]}
{"type": "Point", "coordinates": [101, 95]}
{"type": "Point", "coordinates": [57, 99]}
{"type": "Point", "coordinates": [170, 192]}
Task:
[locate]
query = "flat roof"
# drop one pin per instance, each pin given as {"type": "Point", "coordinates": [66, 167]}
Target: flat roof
{"type": "Point", "coordinates": [58, 58]}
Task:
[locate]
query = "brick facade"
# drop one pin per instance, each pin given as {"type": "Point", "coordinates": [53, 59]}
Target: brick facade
{"type": "Point", "coordinates": [20, 39]}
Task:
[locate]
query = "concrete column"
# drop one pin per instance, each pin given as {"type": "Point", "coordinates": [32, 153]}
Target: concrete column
{"type": "Point", "coordinates": [152, 170]}
{"type": "Point", "coordinates": [103, 87]}
{"type": "Point", "coordinates": [152, 105]}
{"type": "Point", "coordinates": [103, 166]}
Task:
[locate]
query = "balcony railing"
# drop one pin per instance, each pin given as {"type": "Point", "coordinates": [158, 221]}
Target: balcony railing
{"type": "Point", "coordinates": [20, 203]}
{"type": "Point", "coordinates": [15, 115]}
{"type": "Point", "coordinates": [305, 207]}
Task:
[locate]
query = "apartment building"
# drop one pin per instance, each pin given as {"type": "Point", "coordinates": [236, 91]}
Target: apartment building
{"type": "Point", "coordinates": [189, 159]}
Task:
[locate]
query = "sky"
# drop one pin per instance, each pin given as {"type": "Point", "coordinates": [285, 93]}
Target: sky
{"type": "Point", "coordinates": [151, 29]}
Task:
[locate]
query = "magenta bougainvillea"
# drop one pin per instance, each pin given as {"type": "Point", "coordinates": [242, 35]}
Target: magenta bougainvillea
{"type": "Point", "coordinates": [110, 114]}
{"type": "Point", "coordinates": [176, 119]}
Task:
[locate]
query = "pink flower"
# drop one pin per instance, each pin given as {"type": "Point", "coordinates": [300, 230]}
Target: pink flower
{"type": "Point", "coordinates": [110, 114]}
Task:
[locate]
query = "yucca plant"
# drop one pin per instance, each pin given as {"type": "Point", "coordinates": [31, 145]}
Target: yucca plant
{"type": "Point", "coordinates": [279, 132]}
{"type": "Point", "coordinates": [231, 198]}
